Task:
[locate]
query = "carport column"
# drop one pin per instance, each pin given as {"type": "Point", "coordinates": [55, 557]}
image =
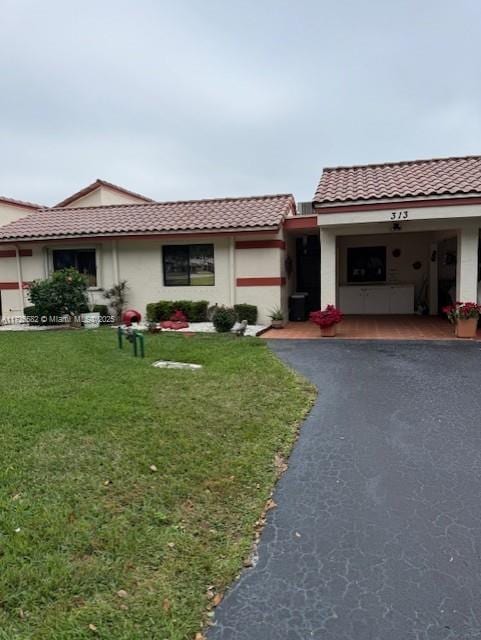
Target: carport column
{"type": "Point", "coordinates": [433, 279]}
{"type": "Point", "coordinates": [467, 264]}
{"type": "Point", "coordinates": [328, 268]}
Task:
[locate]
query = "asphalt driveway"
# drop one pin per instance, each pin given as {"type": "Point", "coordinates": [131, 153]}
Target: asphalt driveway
{"type": "Point", "coordinates": [377, 532]}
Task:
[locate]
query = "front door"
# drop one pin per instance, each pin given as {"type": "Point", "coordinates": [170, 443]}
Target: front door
{"type": "Point", "coordinates": [308, 259]}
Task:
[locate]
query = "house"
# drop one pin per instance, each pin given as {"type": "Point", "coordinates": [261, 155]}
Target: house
{"type": "Point", "coordinates": [398, 237]}
{"type": "Point", "coordinates": [225, 250]}
{"type": "Point", "coordinates": [390, 238]}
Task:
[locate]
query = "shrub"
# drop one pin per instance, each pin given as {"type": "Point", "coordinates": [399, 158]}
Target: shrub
{"type": "Point", "coordinates": [224, 319]}
{"type": "Point", "coordinates": [33, 315]}
{"type": "Point", "coordinates": [246, 312]}
{"type": "Point", "coordinates": [199, 311]}
{"type": "Point", "coordinates": [117, 297]}
{"type": "Point", "coordinates": [63, 293]}
{"type": "Point", "coordinates": [151, 312]}
{"type": "Point", "coordinates": [178, 316]}
{"type": "Point", "coordinates": [163, 310]}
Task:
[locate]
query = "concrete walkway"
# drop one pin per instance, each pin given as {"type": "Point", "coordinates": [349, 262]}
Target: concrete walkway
{"type": "Point", "coordinates": [377, 533]}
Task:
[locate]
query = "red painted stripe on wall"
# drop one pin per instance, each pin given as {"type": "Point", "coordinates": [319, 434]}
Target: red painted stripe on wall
{"type": "Point", "coordinates": [260, 244]}
{"type": "Point", "coordinates": [260, 282]}
{"type": "Point", "coordinates": [10, 253]}
{"type": "Point", "coordinates": [13, 285]}
{"type": "Point", "coordinates": [301, 222]}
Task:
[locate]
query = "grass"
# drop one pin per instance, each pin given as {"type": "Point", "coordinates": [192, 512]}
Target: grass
{"type": "Point", "coordinates": [93, 543]}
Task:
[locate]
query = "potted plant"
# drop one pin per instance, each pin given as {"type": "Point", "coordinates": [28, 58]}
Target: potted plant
{"type": "Point", "coordinates": [277, 318]}
{"type": "Point", "coordinates": [464, 316]}
{"type": "Point", "coordinates": [91, 320]}
{"type": "Point", "coordinates": [326, 319]}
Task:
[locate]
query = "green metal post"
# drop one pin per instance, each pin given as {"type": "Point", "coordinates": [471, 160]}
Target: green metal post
{"type": "Point", "coordinates": [141, 343]}
{"type": "Point", "coordinates": [119, 336]}
{"type": "Point", "coordinates": [134, 342]}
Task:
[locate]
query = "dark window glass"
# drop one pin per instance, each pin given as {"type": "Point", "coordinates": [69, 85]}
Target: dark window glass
{"type": "Point", "coordinates": [366, 264]}
{"type": "Point", "coordinates": [189, 265]}
{"type": "Point", "coordinates": [81, 259]}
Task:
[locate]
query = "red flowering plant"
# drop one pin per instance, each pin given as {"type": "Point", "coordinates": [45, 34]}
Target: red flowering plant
{"type": "Point", "coordinates": [462, 311]}
{"type": "Point", "coordinates": [326, 317]}
{"type": "Point", "coordinates": [178, 316]}
{"type": "Point", "coordinates": [178, 320]}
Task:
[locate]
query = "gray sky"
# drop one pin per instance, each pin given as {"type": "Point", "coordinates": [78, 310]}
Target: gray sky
{"type": "Point", "coordinates": [204, 98]}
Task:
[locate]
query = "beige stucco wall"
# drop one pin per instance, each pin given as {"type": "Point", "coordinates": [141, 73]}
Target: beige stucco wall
{"type": "Point", "coordinates": [104, 196]}
{"type": "Point", "coordinates": [10, 213]}
{"type": "Point", "coordinates": [414, 247]}
{"type": "Point", "coordinates": [140, 263]}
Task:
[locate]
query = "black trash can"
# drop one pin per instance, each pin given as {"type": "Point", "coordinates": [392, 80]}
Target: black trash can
{"type": "Point", "coordinates": [298, 307]}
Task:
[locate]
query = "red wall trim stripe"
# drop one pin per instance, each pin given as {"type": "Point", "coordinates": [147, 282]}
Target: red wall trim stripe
{"type": "Point", "coordinates": [13, 285]}
{"type": "Point", "coordinates": [260, 282]}
{"type": "Point", "coordinates": [301, 222]}
{"type": "Point", "coordinates": [10, 253]}
{"type": "Point", "coordinates": [260, 244]}
{"type": "Point", "coordinates": [399, 204]}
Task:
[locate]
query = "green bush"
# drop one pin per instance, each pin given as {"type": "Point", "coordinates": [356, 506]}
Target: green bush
{"type": "Point", "coordinates": [224, 319]}
{"type": "Point", "coordinates": [163, 310]}
{"type": "Point", "coordinates": [199, 310]}
{"type": "Point", "coordinates": [246, 312]}
{"type": "Point", "coordinates": [62, 293]}
{"type": "Point", "coordinates": [32, 313]}
{"type": "Point", "coordinates": [151, 312]}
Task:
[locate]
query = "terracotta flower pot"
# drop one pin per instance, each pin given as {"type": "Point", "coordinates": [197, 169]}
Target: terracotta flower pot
{"type": "Point", "coordinates": [466, 327]}
{"type": "Point", "coordinates": [329, 332]}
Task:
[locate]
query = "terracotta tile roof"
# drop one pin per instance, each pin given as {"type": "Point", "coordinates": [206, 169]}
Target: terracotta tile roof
{"type": "Point", "coordinates": [442, 176]}
{"type": "Point", "coordinates": [21, 203]}
{"type": "Point", "coordinates": [251, 213]}
{"type": "Point", "coordinates": [95, 185]}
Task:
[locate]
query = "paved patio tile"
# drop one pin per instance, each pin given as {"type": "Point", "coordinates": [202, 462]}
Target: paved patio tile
{"type": "Point", "coordinates": [373, 328]}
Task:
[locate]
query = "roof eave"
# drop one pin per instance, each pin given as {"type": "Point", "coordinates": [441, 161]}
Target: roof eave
{"type": "Point", "coordinates": [321, 204]}
{"type": "Point", "coordinates": [140, 234]}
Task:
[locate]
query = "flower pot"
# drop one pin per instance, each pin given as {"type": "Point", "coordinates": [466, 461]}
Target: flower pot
{"type": "Point", "coordinates": [329, 332]}
{"type": "Point", "coordinates": [277, 324]}
{"type": "Point", "coordinates": [91, 320]}
{"type": "Point", "coordinates": [466, 327]}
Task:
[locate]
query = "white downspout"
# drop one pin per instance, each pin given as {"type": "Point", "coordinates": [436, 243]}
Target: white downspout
{"type": "Point", "coordinates": [115, 260]}
{"type": "Point", "coordinates": [232, 296]}
{"type": "Point", "coordinates": [19, 279]}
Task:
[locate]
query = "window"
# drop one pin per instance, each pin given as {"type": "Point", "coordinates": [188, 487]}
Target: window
{"type": "Point", "coordinates": [81, 259]}
{"type": "Point", "coordinates": [188, 265]}
{"type": "Point", "coordinates": [366, 264]}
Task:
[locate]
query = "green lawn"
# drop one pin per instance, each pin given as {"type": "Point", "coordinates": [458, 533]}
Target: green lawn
{"type": "Point", "coordinates": [82, 515]}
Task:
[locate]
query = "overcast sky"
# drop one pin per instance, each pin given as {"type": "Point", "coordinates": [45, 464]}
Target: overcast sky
{"type": "Point", "coordinates": [204, 98]}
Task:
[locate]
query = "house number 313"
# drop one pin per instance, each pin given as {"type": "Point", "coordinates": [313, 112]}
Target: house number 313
{"type": "Point", "coordinates": [399, 215]}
